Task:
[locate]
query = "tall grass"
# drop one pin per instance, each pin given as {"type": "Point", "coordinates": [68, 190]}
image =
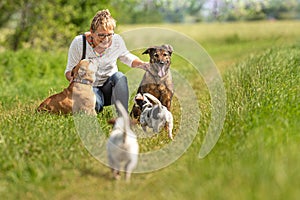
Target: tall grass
{"type": "Point", "coordinates": [266, 88]}
{"type": "Point", "coordinates": [263, 125]}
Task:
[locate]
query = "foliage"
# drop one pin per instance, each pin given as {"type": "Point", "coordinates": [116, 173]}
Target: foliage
{"type": "Point", "coordinates": [136, 11]}
{"type": "Point", "coordinates": [43, 24]}
{"type": "Point", "coordinates": [252, 10]}
{"type": "Point", "coordinates": [46, 24]}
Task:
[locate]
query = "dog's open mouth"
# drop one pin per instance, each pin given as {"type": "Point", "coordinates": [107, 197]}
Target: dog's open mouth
{"type": "Point", "coordinates": [161, 70]}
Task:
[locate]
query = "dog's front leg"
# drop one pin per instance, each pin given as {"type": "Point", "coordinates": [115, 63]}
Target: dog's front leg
{"type": "Point", "coordinates": [170, 127]}
{"type": "Point", "coordinates": [166, 99]}
{"type": "Point", "coordinates": [144, 128]}
{"type": "Point", "coordinates": [116, 174]}
{"type": "Point", "coordinates": [127, 176]}
{"type": "Point", "coordinates": [130, 166]}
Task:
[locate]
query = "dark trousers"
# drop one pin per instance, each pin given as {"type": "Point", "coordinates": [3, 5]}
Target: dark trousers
{"type": "Point", "coordinates": [115, 88]}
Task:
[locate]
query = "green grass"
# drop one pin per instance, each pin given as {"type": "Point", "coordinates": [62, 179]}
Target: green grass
{"type": "Point", "coordinates": [256, 157]}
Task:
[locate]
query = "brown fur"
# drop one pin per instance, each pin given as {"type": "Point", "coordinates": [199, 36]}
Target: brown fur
{"type": "Point", "coordinates": [157, 80]}
{"type": "Point", "coordinates": [77, 97]}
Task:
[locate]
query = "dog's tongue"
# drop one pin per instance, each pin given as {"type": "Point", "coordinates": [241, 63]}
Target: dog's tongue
{"type": "Point", "coordinates": [161, 72]}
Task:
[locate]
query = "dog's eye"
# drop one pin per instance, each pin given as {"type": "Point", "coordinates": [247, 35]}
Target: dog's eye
{"type": "Point", "coordinates": [156, 55]}
{"type": "Point", "coordinates": [165, 54]}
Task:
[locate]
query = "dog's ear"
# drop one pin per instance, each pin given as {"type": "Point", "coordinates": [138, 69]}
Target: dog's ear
{"type": "Point", "coordinates": [139, 96]}
{"type": "Point", "coordinates": [148, 51]}
{"type": "Point", "coordinates": [74, 71]}
{"type": "Point", "coordinates": [133, 122]}
{"type": "Point", "coordinates": [77, 67]}
{"type": "Point", "coordinates": [168, 47]}
{"type": "Point", "coordinates": [111, 121]}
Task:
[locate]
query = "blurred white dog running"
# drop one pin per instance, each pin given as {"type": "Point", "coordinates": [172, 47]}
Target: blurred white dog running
{"type": "Point", "coordinates": [122, 145]}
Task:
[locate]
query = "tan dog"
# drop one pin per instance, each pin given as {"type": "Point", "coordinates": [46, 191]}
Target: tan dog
{"type": "Point", "coordinates": [157, 80]}
{"type": "Point", "coordinates": [78, 96]}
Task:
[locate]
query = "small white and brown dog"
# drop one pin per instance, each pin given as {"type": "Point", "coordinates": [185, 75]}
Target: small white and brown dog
{"type": "Point", "coordinates": [155, 115]}
{"type": "Point", "coordinates": [122, 145]}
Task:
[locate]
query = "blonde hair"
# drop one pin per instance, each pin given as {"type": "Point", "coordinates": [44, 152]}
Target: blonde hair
{"type": "Point", "coordinates": [104, 20]}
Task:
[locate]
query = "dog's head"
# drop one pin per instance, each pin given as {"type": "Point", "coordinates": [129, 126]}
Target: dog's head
{"type": "Point", "coordinates": [142, 101]}
{"type": "Point", "coordinates": [84, 71]}
{"type": "Point", "coordinates": [160, 58]}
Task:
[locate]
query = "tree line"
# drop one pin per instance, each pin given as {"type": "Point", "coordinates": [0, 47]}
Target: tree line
{"type": "Point", "coordinates": [49, 24]}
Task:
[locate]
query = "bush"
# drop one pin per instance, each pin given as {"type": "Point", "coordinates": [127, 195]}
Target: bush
{"type": "Point", "coordinates": [29, 72]}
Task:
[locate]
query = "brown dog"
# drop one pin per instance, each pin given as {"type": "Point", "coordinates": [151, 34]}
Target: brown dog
{"type": "Point", "coordinates": [157, 80]}
{"type": "Point", "coordinates": [78, 96]}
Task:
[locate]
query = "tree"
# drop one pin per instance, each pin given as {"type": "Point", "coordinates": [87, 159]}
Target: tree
{"type": "Point", "coordinates": [7, 10]}
{"type": "Point", "coordinates": [47, 23]}
{"type": "Point", "coordinates": [178, 10]}
{"type": "Point", "coordinates": [51, 24]}
{"type": "Point", "coordinates": [137, 11]}
{"type": "Point", "coordinates": [278, 9]}
{"type": "Point", "coordinates": [233, 10]}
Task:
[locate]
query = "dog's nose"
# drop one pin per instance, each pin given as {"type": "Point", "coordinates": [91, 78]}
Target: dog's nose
{"type": "Point", "coordinates": [161, 62]}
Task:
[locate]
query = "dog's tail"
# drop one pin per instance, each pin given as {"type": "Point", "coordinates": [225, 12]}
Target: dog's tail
{"type": "Point", "coordinates": [125, 117]}
{"type": "Point", "coordinates": [154, 99]}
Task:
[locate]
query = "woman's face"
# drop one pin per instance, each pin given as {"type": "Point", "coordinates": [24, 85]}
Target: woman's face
{"type": "Point", "coordinates": [102, 38]}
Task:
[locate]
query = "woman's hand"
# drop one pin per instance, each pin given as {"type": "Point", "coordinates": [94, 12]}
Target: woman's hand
{"type": "Point", "coordinates": [69, 76]}
{"type": "Point", "coordinates": [140, 64]}
{"type": "Point", "coordinates": [144, 66]}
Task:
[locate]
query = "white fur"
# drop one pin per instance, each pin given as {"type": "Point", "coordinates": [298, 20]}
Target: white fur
{"type": "Point", "coordinates": [122, 145]}
{"type": "Point", "coordinates": [156, 116]}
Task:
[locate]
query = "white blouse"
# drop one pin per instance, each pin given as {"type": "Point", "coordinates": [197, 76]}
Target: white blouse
{"type": "Point", "coordinates": [107, 61]}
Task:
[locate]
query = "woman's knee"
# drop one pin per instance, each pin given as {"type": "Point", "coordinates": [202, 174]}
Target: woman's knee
{"type": "Point", "coordinates": [118, 76]}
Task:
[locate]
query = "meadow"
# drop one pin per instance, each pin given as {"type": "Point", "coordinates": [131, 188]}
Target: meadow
{"type": "Point", "coordinates": [256, 157]}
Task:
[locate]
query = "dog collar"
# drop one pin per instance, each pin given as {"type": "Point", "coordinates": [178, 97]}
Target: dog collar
{"type": "Point", "coordinates": [83, 81]}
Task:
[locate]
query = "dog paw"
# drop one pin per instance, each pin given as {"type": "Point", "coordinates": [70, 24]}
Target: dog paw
{"type": "Point", "coordinates": [117, 177]}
